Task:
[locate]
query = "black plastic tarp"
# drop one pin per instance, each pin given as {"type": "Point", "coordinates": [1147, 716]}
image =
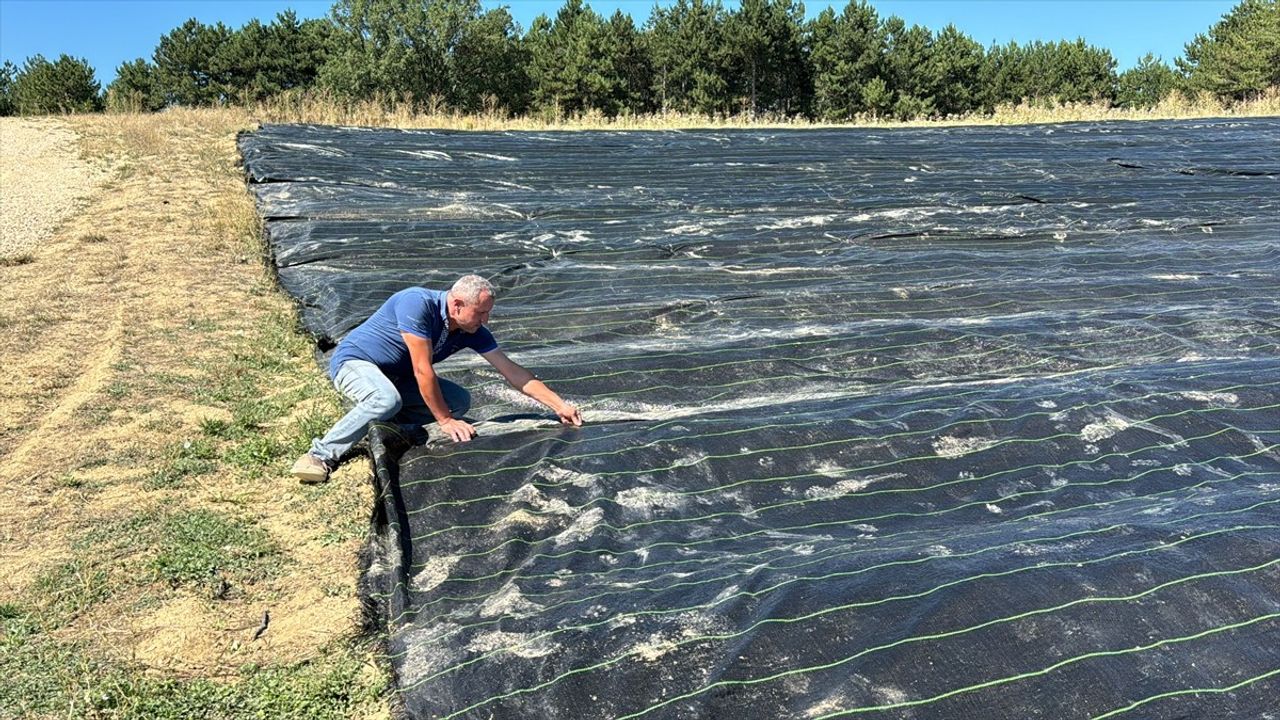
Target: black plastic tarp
{"type": "Point", "coordinates": [941, 423]}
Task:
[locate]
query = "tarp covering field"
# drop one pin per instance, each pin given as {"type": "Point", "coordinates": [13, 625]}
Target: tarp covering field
{"type": "Point", "coordinates": [943, 423]}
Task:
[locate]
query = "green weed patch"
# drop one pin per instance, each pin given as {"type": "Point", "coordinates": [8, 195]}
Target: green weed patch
{"type": "Point", "coordinates": [44, 676]}
{"type": "Point", "coordinates": [186, 459]}
{"type": "Point", "coordinates": [199, 546]}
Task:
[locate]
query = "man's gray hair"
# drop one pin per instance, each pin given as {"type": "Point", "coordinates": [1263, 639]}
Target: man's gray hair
{"type": "Point", "coordinates": [470, 287]}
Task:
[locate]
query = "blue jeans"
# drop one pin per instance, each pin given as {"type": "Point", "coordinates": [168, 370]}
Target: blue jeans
{"type": "Point", "coordinates": [376, 398]}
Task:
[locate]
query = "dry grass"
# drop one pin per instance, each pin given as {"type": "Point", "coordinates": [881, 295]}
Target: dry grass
{"type": "Point", "coordinates": [156, 391]}
{"type": "Point", "coordinates": [1174, 107]}
{"type": "Point", "coordinates": [325, 109]}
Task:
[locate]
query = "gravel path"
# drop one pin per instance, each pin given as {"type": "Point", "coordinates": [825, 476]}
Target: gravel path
{"type": "Point", "coordinates": [42, 180]}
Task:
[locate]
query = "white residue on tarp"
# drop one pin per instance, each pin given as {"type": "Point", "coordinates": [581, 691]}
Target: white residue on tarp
{"type": "Point", "coordinates": [427, 154]}
{"type": "Point", "coordinates": [953, 447]}
{"type": "Point", "coordinates": [798, 222]}
{"type": "Point", "coordinates": [1214, 399]}
{"type": "Point", "coordinates": [424, 655]}
{"type": "Point", "coordinates": [1105, 428]}
{"type": "Point", "coordinates": [847, 486]}
{"type": "Point", "coordinates": [507, 602]}
{"type": "Point", "coordinates": [522, 645]}
{"type": "Point", "coordinates": [534, 497]}
{"type": "Point", "coordinates": [434, 572]}
{"type": "Point", "coordinates": [644, 501]}
{"type": "Point", "coordinates": [581, 528]}
{"type": "Point", "coordinates": [561, 476]}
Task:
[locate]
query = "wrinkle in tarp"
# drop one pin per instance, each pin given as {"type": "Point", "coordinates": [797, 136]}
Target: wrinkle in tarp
{"type": "Point", "coordinates": [928, 423]}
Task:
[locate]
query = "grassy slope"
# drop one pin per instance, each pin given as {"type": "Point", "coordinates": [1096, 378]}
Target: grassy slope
{"type": "Point", "coordinates": [149, 520]}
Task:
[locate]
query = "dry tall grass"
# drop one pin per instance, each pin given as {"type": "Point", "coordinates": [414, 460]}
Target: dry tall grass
{"type": "Point", "coordinates": [323, 108]}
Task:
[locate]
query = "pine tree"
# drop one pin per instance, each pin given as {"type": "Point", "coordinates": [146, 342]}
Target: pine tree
{"type": "Point", "coordinates": [848, 52]}
{"type": "Point", "coordinates": [544, 85]}
{"type": "Point", "coordinates": [64, 86]}
{"type": "Point", "coordinates": [8, 73]}
{"type": "Point", "coordinates": [1239, 58]}
{"type": "Point", "coordinates": [398, 48]}
{"type": "Point", "coordinates": [1083, 73]}
{"type": "Point", "coordinates": [765, 55]}
{"type": "Point", "coordinates": [1036, 72]}
{"type": "Point", "coordinates": [1004, 76]}
{"type": "Point", "coordinates": [687, 47]}
{"type": "Point", "coordinates": [1146, 84]}
{"type": "Point", "coordinates": [1052, 72]}
{"type": "Point", "coordinates": [952, 72]}
{"type": "Point", "coordinates": [907, 52]}
{"type": "Point", "coordinates": [246, 63]}
{"type": "Point", "coordinates": [304, 46]}
{"type": "Point", "coordinates": [632, 66]}
{"type": "Point", "coordinates": [259, 61]}
{"type": "Point", "coordinates": [569, 68]}
{"type": "Point", "coordinates": [490, 65]}
{"type": "Point", "coordinates": [186, 71]}
{"type": "Point", "coordinates": [134, 89]}
{"type": "Point", "coordinates": [877, 98]}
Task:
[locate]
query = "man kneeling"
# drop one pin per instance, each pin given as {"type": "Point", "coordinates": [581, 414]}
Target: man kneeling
{"type": "Point", "coordinates": [386, 367]}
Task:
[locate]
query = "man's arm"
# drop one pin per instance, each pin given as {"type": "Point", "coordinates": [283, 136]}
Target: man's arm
{"type": "Point", "coordinates": [425, 374]}
{"type": "Point", "coordinates": [524, 381]}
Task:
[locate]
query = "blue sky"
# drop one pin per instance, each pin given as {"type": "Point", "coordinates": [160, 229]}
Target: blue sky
{"type": "Point", "coordinates": [109, 32]}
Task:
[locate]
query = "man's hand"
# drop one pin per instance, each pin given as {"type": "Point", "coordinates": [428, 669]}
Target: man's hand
{"type": "Point", "coordinates": [459, 430]}
{"type": "Point", "coordinates": [524, 381]}
{"type": "Point", "coordinates": [569, 415]}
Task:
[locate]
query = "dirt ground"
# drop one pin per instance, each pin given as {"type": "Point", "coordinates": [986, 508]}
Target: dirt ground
{"type": "Point", "coordinates": [44, 180]}
{"type": "Point", "coordinates": [130, 280]}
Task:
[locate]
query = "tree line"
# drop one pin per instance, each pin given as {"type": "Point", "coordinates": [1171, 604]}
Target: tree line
{"type": "Point", "coordinates": [762, 59]}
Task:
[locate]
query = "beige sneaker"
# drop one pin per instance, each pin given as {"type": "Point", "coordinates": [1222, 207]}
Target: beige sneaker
{"type": "Point", "coordinates": [310, 469]}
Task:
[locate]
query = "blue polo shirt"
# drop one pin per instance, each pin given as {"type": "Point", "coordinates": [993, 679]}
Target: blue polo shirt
{"type": "Point", "coordinates": [417, 311]}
